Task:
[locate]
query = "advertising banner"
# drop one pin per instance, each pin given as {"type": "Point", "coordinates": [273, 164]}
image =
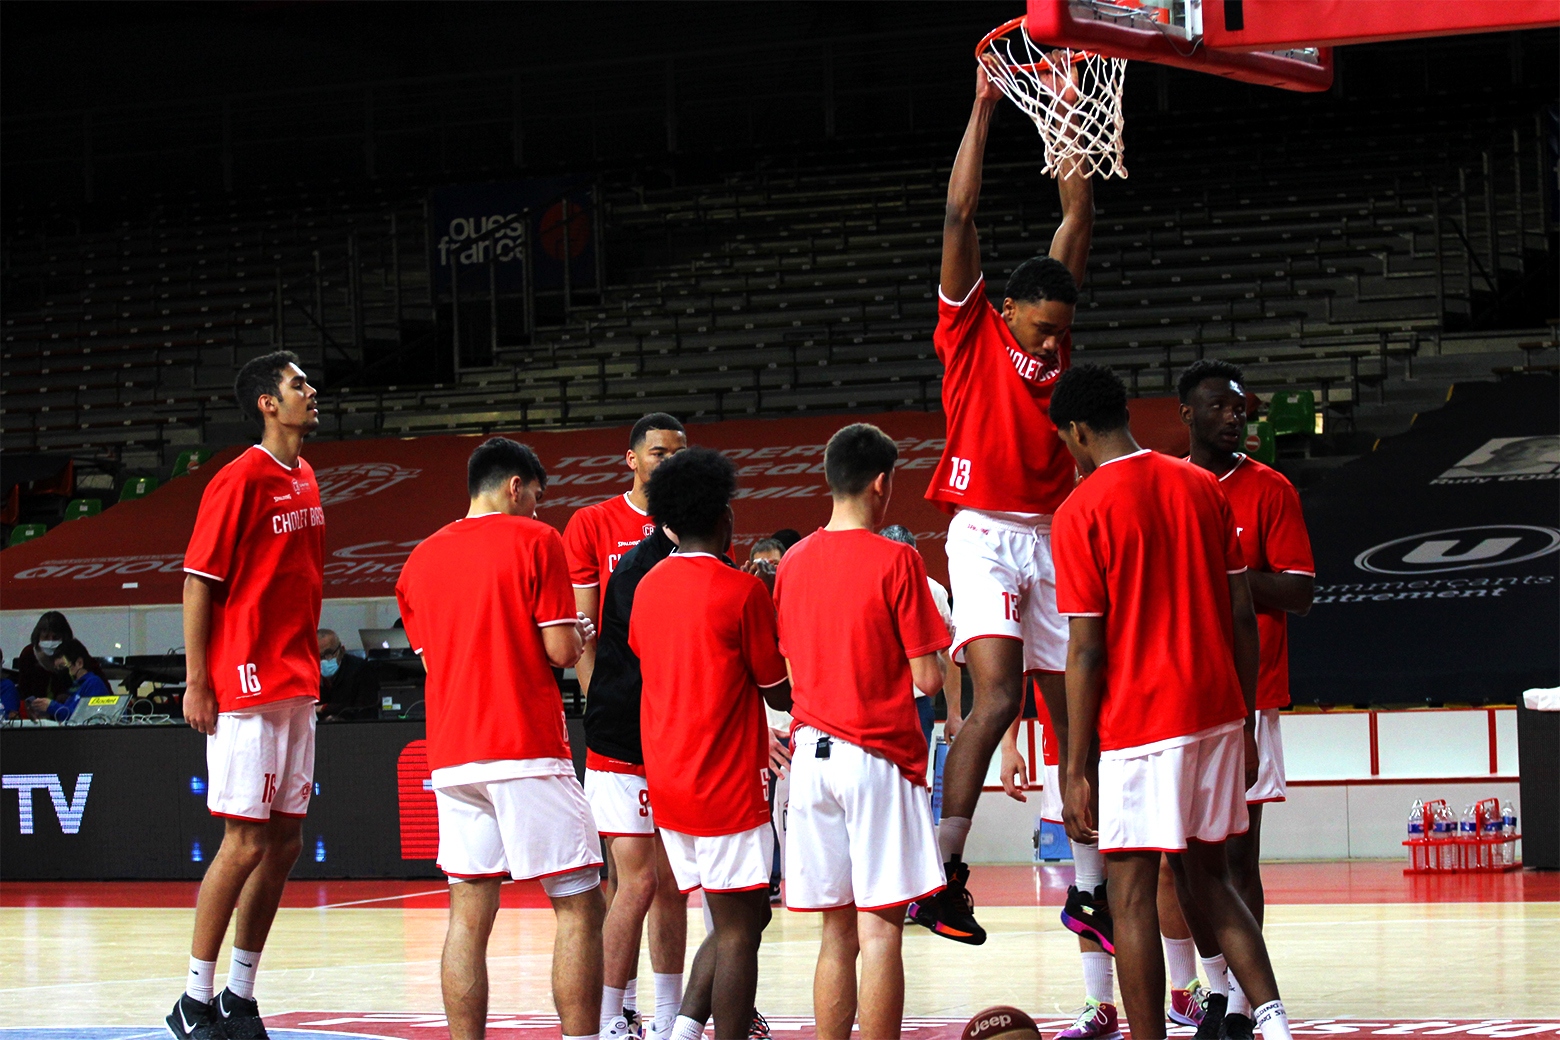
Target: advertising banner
{"type": "Point", "coordinates": [1438, 558]}
{"type": "Point", "coordinates": [473, 224]}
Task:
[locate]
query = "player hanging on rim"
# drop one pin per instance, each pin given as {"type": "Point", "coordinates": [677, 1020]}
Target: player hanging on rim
{"type": "Point", "coordinates": [705, 635]}
{"type": "Point", "coordinates": [1162, 671]}
{"type": "Point", "coordinates": [600, 540]}
{"type": "Point", "coordinates": [254, 575]}
{"type": "Point", "coordinates": [487, 603]}
{"type": "Point", "coordinates": [860, 633]}
{"type": "Point", "coordinates": [1002, 474]}
{"type": "Point", "coordinates": [1277, 550]}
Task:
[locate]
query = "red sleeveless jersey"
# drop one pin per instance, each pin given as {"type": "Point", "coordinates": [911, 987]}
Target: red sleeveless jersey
{"type": "Point", "coordinates": [1002, 452]}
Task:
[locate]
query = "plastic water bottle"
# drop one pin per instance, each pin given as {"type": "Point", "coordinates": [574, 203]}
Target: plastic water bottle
{"type": "Point", "coordinates": [1495, 850]}
{"type": "Point", "coordinates": [1508, 830]}
{"type": "Point", "coordinates": [1468, 827]}
{"type": "Point", "coordinates": [1443, 829]}
{"type": "Point", "coordinates": [1416, 831]}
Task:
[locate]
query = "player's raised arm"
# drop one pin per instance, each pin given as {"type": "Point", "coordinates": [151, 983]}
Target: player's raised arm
{"type": "Point", "coordinates": [1075, 234]}
{"type": "Point", "coordinates": [961, 246]}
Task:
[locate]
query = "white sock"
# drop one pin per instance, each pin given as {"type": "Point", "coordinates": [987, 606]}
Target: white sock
{"type": "Point", "coordinates": [1216, 974]}
{"type": "Point", "coordinates": [241, 973]}
{"type": "Point", "coordinates": [611, 1005]}
{"type": "Point", "coordinates": [686, 1028]}
{"type": "Point", "coordinates": [1181, 956]}
{"type": "Point", "coordinates": [1099, 977]}
{"type": "Point", "coordinates": [202, 980]}
{"type": "Point", "coordinates": [588, 1036]}
{"type": "Point", "coordinates": [631, 994]}
{"type": "Point", "coordinates": [1239, 1003]}
{"type": "Point", "coordinates": [1272, 1021]}
{"type": "Point", "coordinates": [951, 834]}
{"type": "Point", "coordinates": [668, 998]}
{"type": "Point", "coordinates": [1088, 867]}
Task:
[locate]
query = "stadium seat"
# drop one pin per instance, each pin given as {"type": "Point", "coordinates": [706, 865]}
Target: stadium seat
{"type": "Point", "coordinates": [26, 533]}
{"type": "Point", "coordinates": [1259, 441]}
{"type": "Point", "coordinates": [188, 461]}
{"type": "Point", "coordinates": [1293, 411]}
{"type": "Point", "coordinates": [137, 487]}
{"type": "Point", "coordinates": [83, 507]}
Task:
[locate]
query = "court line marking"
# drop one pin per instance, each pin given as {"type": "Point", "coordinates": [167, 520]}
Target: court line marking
{"type": "Point", "coordinates": [378, 899]}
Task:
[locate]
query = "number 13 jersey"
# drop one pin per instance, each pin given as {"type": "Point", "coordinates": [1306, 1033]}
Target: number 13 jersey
{"type": "Point", "coordinates": [1002, 452]}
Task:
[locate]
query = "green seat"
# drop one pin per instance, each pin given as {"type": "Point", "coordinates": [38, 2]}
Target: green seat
{"type": "Point", "coordinates": [81, 507]}
{"type": "Point", "coordinates": [1259, 441]}
{"type": "Point", "coordinates": [189, 460]}
{"type": "Point", "coordinates": [26, 533]}
{"type": "Point", "coordinates": [139, 487]}
{"type": "Point", "coordinates": [1293, 411]}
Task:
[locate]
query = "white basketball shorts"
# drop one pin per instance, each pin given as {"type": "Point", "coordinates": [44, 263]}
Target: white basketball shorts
{"type": "Point", "coordinates": [620, 803]}
{"type": "Point", "coordinates": [721, 863]}
{"type": "Point", "coordinates": [1051, 795]}
{"type": "Point", "coordinates": [1161, 795]}
{"type": "Point", "coordinates": [1271, 785]}
{"type": "Point", "coordinates": [858, 832]}
{"type": "Point", "coordinates": [1004, 585]}
{"type": "Point", "coordinates": [260, 762]}
{"type": "Point", "coordinates": [532, 827]}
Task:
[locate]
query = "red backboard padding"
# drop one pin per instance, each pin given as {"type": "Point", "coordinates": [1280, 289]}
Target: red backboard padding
{"type": "Point", "coordinates": [1245, 25]}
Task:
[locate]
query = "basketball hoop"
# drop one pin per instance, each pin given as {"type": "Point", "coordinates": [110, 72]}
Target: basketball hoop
{"type": "Point", "coordinates": [1073, 97]}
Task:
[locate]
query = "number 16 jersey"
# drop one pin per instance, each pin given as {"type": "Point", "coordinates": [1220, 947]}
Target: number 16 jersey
{"type": "Point", "coordinates": [1002, 453]}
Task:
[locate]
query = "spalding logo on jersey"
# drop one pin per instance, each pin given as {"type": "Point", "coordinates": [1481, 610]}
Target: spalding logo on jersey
{"type": "Point", "coordinates": [1001, 1023]}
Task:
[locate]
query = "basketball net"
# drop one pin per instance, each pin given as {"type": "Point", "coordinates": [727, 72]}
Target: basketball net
{"type": "Point", "coordinates": [1073, 97]}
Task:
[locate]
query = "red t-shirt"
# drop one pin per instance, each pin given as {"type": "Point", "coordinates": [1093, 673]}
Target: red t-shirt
{"type": "Point", "coordinates": [260, 533]}
{"type": "Point", "coordinates": [854, 608]}
{"type": "Point", "coordinates": [1148, 543]}
{"type": "Point", "coordinates": [1002, 452]}
{"type": "Point", "coordinates": [475, 596]}
{"type": "Point", "coordinates": [705, 636]}
{"type": "Point", "coordinates": [1273, 538]}
{"type": "Point", "coordinates": [598, 536]}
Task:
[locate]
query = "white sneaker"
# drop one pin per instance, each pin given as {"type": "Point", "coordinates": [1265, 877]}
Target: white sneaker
{"type": "Point", "coordinates": [652, 1033]}
{"type": "Point", "coordinates": [619, 1029]}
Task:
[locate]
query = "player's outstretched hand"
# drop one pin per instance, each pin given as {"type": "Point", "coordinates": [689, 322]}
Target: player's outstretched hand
{"type": "Point", "coordinates": [1251, 757]}
{"type": "Point", "coordinates": [587, 628]}
{"type": "Point", "coordinates": [1076, 814]}
{"type": "Point", "coordinates": [1013, 774]}
{"type": "Point", "coordinates": [780, 752]}
{"type": "Point", "coordinates": [200, 708]}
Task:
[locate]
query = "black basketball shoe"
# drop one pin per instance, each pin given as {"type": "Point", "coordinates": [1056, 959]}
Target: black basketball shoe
{"type": "Point", "coordinates": [192, 1020]}
{"type": "Point", "coordinates": [1088, 914]}
{"type": "Point", "coordinates": [951, 912]}
{"type": "Point", "coordinates": [1212, 1024]}
{"type": "Point", "coordinates": [240, 1017]}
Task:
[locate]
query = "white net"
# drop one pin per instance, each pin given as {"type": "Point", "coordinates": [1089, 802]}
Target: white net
{"type": "Point", "coordinates": [1073, 97]}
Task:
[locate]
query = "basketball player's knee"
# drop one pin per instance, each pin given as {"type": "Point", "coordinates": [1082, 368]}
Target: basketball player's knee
{"type": "Point", "coordinates": [244, 846]}
{"type": "Point", "coordinates": [583, 882]}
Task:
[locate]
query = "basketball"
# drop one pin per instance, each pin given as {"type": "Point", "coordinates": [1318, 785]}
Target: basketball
{"type": "Point", "coordinates": [1001, 1023]}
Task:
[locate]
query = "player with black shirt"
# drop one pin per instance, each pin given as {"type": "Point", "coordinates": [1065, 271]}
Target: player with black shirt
{"type": "Point", "coordinates": [620, 800]}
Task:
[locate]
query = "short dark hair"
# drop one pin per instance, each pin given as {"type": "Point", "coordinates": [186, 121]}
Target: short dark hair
{"type": "Point", "coordinates": [73, 650]}
{"type": "Point", "coordinates": [1090, 394]}
{"type": "Point", "coordinates": [787, 536]}
{"type": "Point", "coordinates": [767, 545]}
{"type": "Point", "coordinates": [1042, 278]}
{"type": "Point", "coordinates": [690, 491]}
{"type": "Point", "coordinates": [653, 421]}
{"type": "Point", "coordinates": [51, 621]}
{"type": "Point", "coordinates": [1208, 368]}
{"type": "Point", "coordinates": [499, 458]}
{"type": "Point", "coordinates": [898, 533]}
{"type": "Point", "coordinates": [261, 375]}
{"type": "Point", "coordinates": [855, 456]}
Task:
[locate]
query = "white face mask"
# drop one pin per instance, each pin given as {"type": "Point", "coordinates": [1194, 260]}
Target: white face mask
{"type": "Point", "coordinates": [49, 646]}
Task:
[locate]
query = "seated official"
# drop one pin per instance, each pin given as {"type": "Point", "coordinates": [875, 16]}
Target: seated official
{"type": "Point", "coordinates": [349, 689]}
{"type": "Point", "coordinates": [36, 677]}
{"type": "Point", "coordinates": [72, 660]}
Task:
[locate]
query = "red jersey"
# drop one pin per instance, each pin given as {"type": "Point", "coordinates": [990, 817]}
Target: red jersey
{"type": "Point", "coordinates": [705, 636]}
{"type": "Point", "coordinates": [598, 536]}
{"type": "Point", "coordinates": [1002, 452]}
{"type": "Point", "coordinates": [1050, 754]}
{"type": "Point", "coordinates": [475, 596]}
{"type": "Point", "coordinates": [1147, 542]}
{"type": "Point", "coordinates": [260, 533]}
{"type": "Point", "coordinates": [1271, 529]}
{"type": "Point", "coordinates": [854, 608]}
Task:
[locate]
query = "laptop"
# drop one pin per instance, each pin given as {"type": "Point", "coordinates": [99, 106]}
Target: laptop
{"type": "Point", "coordinates": [385, 642]}
{"type": "Point", "coordinates": [100, 711]}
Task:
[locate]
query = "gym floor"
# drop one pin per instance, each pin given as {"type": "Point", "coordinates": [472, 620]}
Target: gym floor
{"type": "Point", "coordinates": [1360, 949]}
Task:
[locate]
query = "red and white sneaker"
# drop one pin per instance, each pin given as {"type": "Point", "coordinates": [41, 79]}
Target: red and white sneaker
{"type": "Point", "coordinates": [1187, 1006]}
{"type": "Point", "coordinates": [1096, 1021]}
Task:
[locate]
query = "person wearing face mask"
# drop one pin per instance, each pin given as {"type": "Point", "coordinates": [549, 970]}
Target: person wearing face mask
{"type": "Point", "coordinates": [349, 689]}
{"type": "Point", "coordinates": [36, 675]}
{"type": "Point", "coordinates": [72, 661]}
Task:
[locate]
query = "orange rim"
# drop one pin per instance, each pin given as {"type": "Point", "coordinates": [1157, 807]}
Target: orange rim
{"type": "Point", "coordinates": [984, 47]}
